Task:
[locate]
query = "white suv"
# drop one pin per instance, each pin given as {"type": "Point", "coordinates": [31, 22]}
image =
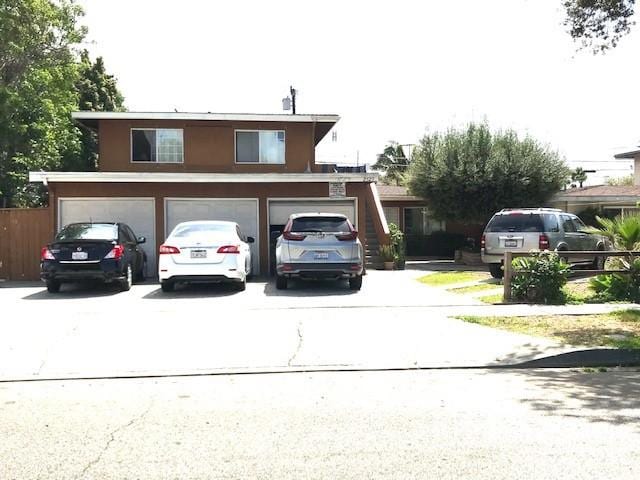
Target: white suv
{"type": "Point", "coordinates": [526, 229]}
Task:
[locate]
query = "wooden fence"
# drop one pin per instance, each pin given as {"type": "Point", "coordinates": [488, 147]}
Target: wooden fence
{"type": "Point", "coordinates": [23, 232]}
{"type": "Point", "coordinates": [509, 272]}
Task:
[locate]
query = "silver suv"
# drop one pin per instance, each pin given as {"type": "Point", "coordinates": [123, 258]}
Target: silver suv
{"type": "Point", "coordinates": [525, 229]}
{"type": "Point", "coordinates": [319, 245]}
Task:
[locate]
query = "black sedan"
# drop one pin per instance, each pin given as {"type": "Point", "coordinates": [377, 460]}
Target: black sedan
{"type": "Point", "coordinates": [109, 252]}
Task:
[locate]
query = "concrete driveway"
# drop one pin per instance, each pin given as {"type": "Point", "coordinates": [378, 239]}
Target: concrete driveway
{"type": "Point", "coordinates": [393, 322]}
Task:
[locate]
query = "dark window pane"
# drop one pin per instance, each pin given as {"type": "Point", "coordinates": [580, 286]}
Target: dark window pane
{"type": "Point", "coordinates": [320, 224]}
{"type": "Point", "coordinates": [516, 222]}
{"type": "Point", "coordinates": [550, 222]}
{"type": "Point", "coordinates": [247, 147]}
{"type": "Point", "coordinates": [88, 231]}
{"type": "Point", "coordinates": [143, 147]}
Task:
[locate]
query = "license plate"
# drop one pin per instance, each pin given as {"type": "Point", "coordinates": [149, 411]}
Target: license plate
{"type": "Point", "coordinates": [79, 255]}
{"type": "Point", "coordinates": [198, 254]}
{"type": "Point", "coordinates": [321, 256]}
{"type": "Point", "coordinates": [510, 243]}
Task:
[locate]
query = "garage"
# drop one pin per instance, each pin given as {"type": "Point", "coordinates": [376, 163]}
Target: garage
{"type": "Point", "coordinates": [138, 213]}
{"type": "Point", "coordinates": [242, 211]}
{"type": "Point", "coordinates": [280, 209]}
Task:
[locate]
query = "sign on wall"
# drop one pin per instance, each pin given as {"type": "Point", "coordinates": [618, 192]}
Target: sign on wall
{"type": "Point", "coordinates": [337, 189]}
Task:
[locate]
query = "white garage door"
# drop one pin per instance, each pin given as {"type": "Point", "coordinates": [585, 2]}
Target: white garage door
{"type": "Point", "coordinates": [138, 213]}
{"type": "Point", "coordinates": [279, 210]}
{"type": "Point", "coordinates": [242, 211]}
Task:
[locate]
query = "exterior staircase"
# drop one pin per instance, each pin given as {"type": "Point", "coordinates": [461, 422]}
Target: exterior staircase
{"type": "Point", "coordinates": [372, 258]}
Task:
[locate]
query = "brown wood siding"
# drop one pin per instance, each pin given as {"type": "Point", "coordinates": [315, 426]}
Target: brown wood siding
{"type": "Point", "coordinates": [261, 191]}
{"type": "Point", "coordinates": [209, 146]}
{"type": "Point", "coordinates": [23, 232]}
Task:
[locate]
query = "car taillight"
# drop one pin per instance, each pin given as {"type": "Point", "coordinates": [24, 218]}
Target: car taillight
{"type": "Point", "coordinates": [293, 236]}
{"type": "Point", "coordinates": [168, 249]}
{"type": "Point", "coordinates": [482, 241]}
{"type": "Point", "coordinates": [543, 242]}
{"type": "Point", "coordinates": [229, 249]}
{"type": "Point", "coordinates": [45, 254]}
{"type": "Point", "coordinates": [348, 236]}
{"type": "Point", "coordinates": [116, 252]}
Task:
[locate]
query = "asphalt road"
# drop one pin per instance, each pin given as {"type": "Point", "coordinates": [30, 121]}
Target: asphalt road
{"type": "Point", "coordinates": [535, 424]}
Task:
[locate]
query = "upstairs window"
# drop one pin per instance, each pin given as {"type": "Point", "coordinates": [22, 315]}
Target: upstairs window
{"type": "Point", "coordinates": [260, 146]}
{"type": "Point", "coordinates": [160, 145]}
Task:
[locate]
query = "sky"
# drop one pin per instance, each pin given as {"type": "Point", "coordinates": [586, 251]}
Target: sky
{"type": "Point", "coordinates": [391, 70]}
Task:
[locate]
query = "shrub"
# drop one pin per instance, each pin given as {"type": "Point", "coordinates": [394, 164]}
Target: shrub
{"type": "Point", "coordinates": [545, 276]}
{"type": "Point", "coordinates": [619, 286]}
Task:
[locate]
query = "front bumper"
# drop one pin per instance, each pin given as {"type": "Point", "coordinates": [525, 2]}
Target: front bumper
{"type": "Point", "coordinates": [320, 270]}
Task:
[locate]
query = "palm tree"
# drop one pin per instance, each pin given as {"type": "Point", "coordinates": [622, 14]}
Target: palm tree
{"type": "Point", "coordinates": [579, 175]}
{"type": "Point", "coordinates": [623, 232]}
{"type": "Point", "coordinates": [393, 162]}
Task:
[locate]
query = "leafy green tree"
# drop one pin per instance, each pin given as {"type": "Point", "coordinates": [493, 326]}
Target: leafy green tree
{"type": "Point", "coordinates": [97, 92]}
{"type": "Point", "coordinates": [599, 24]}
{"type": "Point", "coordinates": [579, 175]}
{"type": "Point", "coordinates": [37, 73]}
{"type": "Point", "coordinates": [393, 162]}
{"type": "Point", "coordinates": [470, 174]}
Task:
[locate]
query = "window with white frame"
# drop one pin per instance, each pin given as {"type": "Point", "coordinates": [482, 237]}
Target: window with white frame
{"type": "Point", "coordinates": [260, 146]}
{"type": "Point", "coordinates": [160, 145]}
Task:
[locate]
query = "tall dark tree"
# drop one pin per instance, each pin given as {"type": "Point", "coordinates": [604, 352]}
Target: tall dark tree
{"type": "Point", "coordinates": [97, 92]}
{"type": "Point", "coordinates": [579, 175]}
{"type": "Point", "coordinates": [470, 174]}
{"type": "Point", "coordinates": [393, 162]}
{"type": "Point", "coordinates": [599, 24]}
{"type": "Point", "coordinates": [37, 71]}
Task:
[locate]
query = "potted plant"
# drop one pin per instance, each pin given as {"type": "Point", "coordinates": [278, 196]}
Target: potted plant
{"type": "Point", "coordinates": [387, 255]}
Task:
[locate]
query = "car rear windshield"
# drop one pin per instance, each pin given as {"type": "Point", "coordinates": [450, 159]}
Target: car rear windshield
{"type": "Point", "coordinates": [320, 224]}
{"type": "Point", "coordinates": [203, 229]}
{"type": "Point", "coordinates": [523, 222]}
{"type": "Point", "coordinates": [88, 231]}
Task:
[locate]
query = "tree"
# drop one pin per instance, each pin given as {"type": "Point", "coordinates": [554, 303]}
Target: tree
{"type": "Point", "coordinates": [626, 181]}
{"type": "Point", "coordinates": [579, 175]}
{"type": "Point", "coordinates": [37, 71]}
{"type": "Point", "coordinates": [97, 92]}
{"type": "Point", "coordinates": [469, 174]}
{"type": "Point", "coordinates": [393, 162]}
{"type": "Point", "coordinates": [599, 24]}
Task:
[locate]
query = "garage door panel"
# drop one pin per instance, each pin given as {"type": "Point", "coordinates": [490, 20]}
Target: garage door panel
{"type": "Point", "coordinates": [242, 211]}
{"type": "Point", "coordinates": [138, 213]}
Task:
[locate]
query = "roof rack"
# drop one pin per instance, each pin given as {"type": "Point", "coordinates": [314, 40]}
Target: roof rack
{"type": "Point", "coordinates": [532, 209]}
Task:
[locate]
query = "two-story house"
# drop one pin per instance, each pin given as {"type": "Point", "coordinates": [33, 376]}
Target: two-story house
{"type": "Point", "coordinates": [158, 169]}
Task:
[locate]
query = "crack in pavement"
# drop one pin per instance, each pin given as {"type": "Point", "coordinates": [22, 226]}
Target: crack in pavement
{"type": "Point", "coordinates": [299, 346]}
{"type": "Point", "coordinates": [111, 440]}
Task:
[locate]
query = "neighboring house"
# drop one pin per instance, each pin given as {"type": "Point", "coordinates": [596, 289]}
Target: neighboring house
{"type": "Point", "coordinates": [411, 215]}
{"type": "Point", "coordinates": [158, 169]}
{"type": "Point", "coordinates": [616, 199]}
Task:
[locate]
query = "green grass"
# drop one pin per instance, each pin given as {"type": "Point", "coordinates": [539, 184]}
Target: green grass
{"type": "Point", "coordinates": [495, 298]}
{"type": "Point", "coordinates": [617, 329]}
{"type": "Point", "coordinates": [475, 288]}
{"type": "Point", "coordinates": [446, 278]}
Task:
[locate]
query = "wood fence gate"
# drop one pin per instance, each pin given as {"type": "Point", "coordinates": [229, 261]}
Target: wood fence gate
{"type": "Point", "coordinates": [23, 232]}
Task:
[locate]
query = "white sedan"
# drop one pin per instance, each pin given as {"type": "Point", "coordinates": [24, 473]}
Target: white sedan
{"type": "Point", "coordinates": [205, 251]}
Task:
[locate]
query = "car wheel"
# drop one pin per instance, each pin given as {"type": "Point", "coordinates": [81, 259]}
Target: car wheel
{"type": "Point", "coordinates": [598, 262]}
{"type": "Point", "coordinates": [242, 286]}
{"type": "Point", "coordinates": [167, 285]}
{"type": "Point", "coordinates": [355, 283]}
{"type": "Point", "coordinates": [53, 286]}
{"type": "Point", "coordinates": [142, 273]}
{"type": "Point", "coordinates": [496, 270]}
{"type": "Point", "coordinates": [125, 284]}
{"type": "Point", "coordinates": [281, 283]}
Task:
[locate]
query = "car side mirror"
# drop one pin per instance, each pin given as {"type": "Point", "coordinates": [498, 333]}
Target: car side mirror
{"type": "Point", "coordinates": [250, 239]}
{"type": "Point", "coordinates": [141, 240]}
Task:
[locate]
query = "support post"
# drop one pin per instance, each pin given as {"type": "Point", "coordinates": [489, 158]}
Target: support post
{"type": "Point", "coordinates": [506, 280]}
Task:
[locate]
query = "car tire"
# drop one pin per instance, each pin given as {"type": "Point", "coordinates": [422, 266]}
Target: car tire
{"type": "Point", "coordinates": [142, 273]}
{"type": "Point", "coordinates": [167, 286]}
{"type": "Point", "coordinates": [355, 283]}
{"type": "Point", "coordinates": [242, 286]}
{"type": "Point", "coordinates": [53, 286]}
{"type": "Point", "coordinates": [281, 282]}
{"type": "Point", "coordinates": [125, 284]}
{"type": "Point", "coordinates": [598, 262]}
{"type": "Point", "coordinates": [495, 269]}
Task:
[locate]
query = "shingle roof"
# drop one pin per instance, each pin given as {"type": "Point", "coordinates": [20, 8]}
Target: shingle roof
{"type": "Point", "coordinates": [603, 191]}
